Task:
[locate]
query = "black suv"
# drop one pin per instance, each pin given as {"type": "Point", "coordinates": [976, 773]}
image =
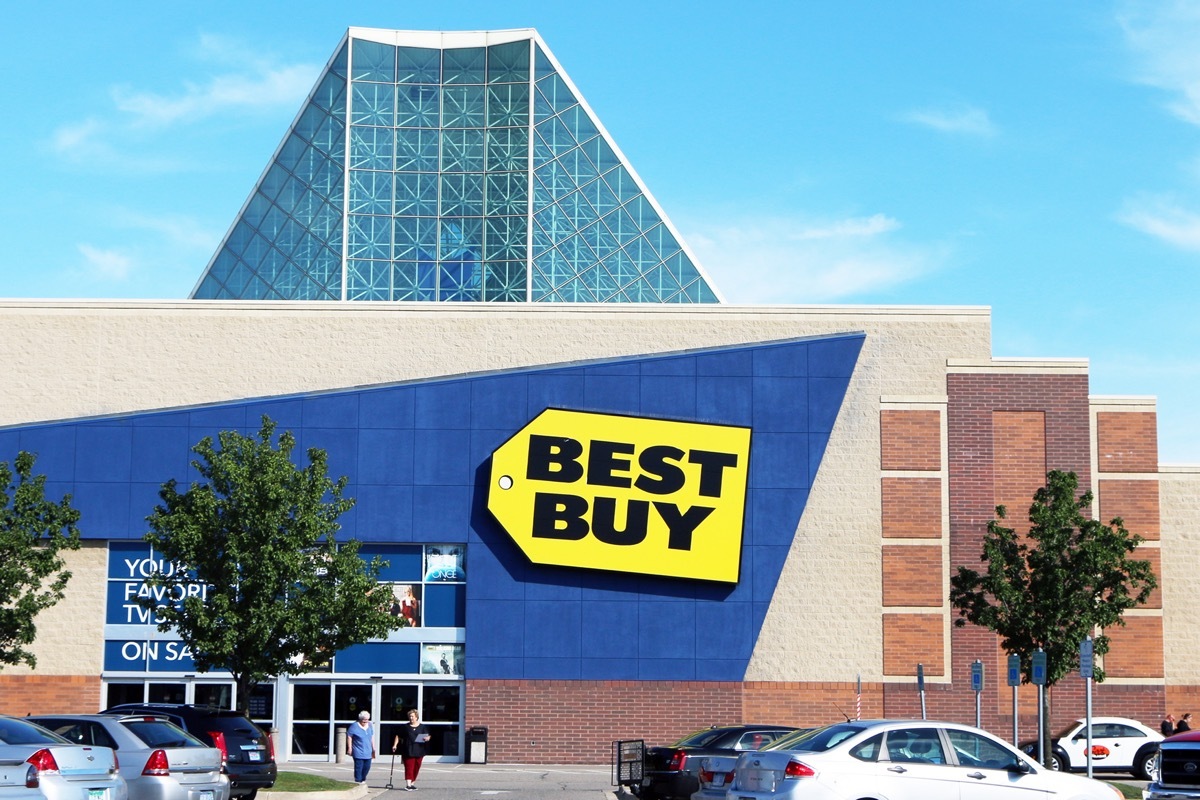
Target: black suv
{"type": "Point", "coordinates": [247, 753]}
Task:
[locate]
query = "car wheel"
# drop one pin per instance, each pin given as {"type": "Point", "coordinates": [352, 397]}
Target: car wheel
{"type": "Point", "coordinates": [253, 794]}
{"type": "Point", "coordinates": [1146, 767]}
{"type": "Point", "coordinates": [1056, 763]}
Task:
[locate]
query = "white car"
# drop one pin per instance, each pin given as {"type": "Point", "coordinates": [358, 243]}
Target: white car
{"type": "Point", "coordinates": [1118, 745]}
{"type": "Point", "coordinates": [61, 770]}
{"type": "Point", "coordinates": [901, 760]}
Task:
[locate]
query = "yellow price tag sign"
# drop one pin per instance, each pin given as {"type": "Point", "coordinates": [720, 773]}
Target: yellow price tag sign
{"type": "Point", "coordinates": [624, 493]}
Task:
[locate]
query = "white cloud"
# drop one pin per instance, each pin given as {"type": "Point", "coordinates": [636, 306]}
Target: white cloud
{"type": "Point", "coordinates": [967, 120]}
{"type": "Point", "coordinates": [105, 265]}
{"type": "Point", "coordinates": [786, 260]}
{"type": "Point", "coordinates": [1163, 218]}
{"type": "Point", "coordinates": [237, 83]}
{"type": "Point", "coordinates": [1162, 37]}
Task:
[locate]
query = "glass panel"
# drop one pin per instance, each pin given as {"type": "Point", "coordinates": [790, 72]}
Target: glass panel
{"type": "Point", "coordinates": [419, 65]}
{"type": "Point", "coordinates": [166, 693]}
{"type": "Point", "coordinates": [371, 148]}
{"type": "Point", "coordinates": [643, 213]}
{"type": "Point", "coordinates": [508, 63]}
{"type": "Point", "coordinates": [331, 93]}
{"type": "Point", "coordinates": [579, 166]}
{"type": "Point", "coordinates": [580, 124]}
{"type": "Point", "coordinates": [464, 106]}
{"type": "Point", "coordinates": [369, 237]}
{"type": "Point", "coordinates": [541, 62]}
{"type": "Point", "coordinates": [415, 238]}
{"type": "Point", "coordinates": [368, 280]}
{"type": "Point", "coordinates": [417, 194]}
{"type": "Point", "coordinates": [504, 281]}
{"type": "Point", "coordinates": [507, 193]}
{"type": "Point", "coordinates": [219, 695]}
{"type": "Point", "coordinates": [508, 149]}
{"type": "Point", "coordinates": [508, 105]}
{"type": "Point", "coordinates": [462, 195]}
{"type": "Point", "coordinates": [622, 183]}
{"type": "Point", "coordinates": [460, 238]}
{"type": "Point", "coordinates": [554, 89]}
{"type": "Point", "coordinates": [310, 701]}
{"type": "Point", "coordinates": [601, 154]}
{"type": "Point", "coordinates": [417, 149]}
{"type": "Point", "coordinates": [459, 281]}
{"type": "Point", "coordinates": [412, 280]}
{"type": "Point", "coordinates": [464, 65]}
{"type": "Point", "coordinates": [370, 192]}
{"type": "Point", "coordinates": [417, 106]}
{"type": "Point", "coordinates": [374, 104]}
{"type": "Point", "coordinates": [373, 61]}
{"type": "Point", "coordinates": [121, 693]}
{"type": "Point", "coordinates": [262, 704]}
{"type": "Point", "coordinates": [462, 150]}
{"type": "Point", "coordinates": [350, 699]}
{"type": "Point", "coordinates": [556, 136]}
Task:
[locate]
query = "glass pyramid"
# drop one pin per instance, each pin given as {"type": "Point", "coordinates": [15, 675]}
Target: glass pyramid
{"type": "Point", "coordinates": [433, 166]}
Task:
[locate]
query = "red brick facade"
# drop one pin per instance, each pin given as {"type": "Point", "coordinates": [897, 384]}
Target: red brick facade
{"type": "Point", "coordinates": [50, 694]}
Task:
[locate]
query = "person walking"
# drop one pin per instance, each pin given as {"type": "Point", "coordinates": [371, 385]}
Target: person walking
{"type": "Point", "coordinates": [412, 742]}
{"type": "Point", "coordinates": [1167, 726]}
{"type": "Point", "coordinates": [1184, 724]}
{"type": "Point", "coordinates": [360, 741]}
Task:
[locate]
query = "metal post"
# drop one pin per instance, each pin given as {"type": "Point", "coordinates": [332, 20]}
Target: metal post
{"type": "Point", "coordinates": [921, 687]}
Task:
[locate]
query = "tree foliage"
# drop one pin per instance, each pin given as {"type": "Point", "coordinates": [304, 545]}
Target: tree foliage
{"type": "Point", "coordinates": [280, 595]}
{"type": "Point", "coordinates": [33, 533]}
{"type": "Point", "coordinates": [1069, 578]}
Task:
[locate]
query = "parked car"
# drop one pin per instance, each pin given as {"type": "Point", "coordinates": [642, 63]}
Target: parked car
{"type": "Point", "coordinates": [158, 759]}
{"type": "Point", "coordinates": [247, 752]}
{"type": "Point", "coordinates": [715, 776]}
{"type": "Point", "coordinates": [1176, 774]}
{"type": "Point", "coordinates": [902, 760]}
{"type": "Point", "coordinates": [60, 770]}
{"type": "Point", "coordinates": [671, 772]}
{"type": "Point", "coordinates": [1118, 745]}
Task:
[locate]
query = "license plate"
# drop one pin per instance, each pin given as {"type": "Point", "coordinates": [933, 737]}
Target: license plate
{"type": "Point", "coordinates": [206, 795]}
{"type": "Point", "coordinates": [97, 794]}
{"type": "Point", "coordinates": [718, 781]}
{"type": "Point", "coordinates": [254, 755]}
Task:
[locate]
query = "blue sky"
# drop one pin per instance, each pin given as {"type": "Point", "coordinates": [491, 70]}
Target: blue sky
{"type": "Point", "coordinates": [1039, 158]}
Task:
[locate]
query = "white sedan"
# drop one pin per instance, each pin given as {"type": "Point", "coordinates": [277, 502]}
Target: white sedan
{"type": "Point", "coordinates": [1118, 745]}
{"type": "Point", "coordinates": [901, 760]}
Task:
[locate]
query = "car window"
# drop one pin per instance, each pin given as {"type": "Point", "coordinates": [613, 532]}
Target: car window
{"type": "Point", "coordinates": [15, 731]}
{"type": "Point", "coordinates": [69, 729]}
{"type": "Point", "coordinates": [817, 740]}
{"type": "Point", "coordinates": [920, 745]}
{"type": "Point", "coordinates": [701, 738]}
{"type": "Point", "coordinates": [868, 750]}
{"type": "Point", "coordinates": [973, 750]}
{"type": "Point", "coordinates": [1125, 731]}
{"type": "Point", "coordinates": [160, 733]}
{"type": "Point", "coordinates": [752, 740]}
{"type": "Point", "coordinates": [99, 736]}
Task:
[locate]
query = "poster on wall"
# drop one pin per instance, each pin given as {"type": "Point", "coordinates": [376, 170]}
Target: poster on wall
{"type": "Point", "coordinates": [442, 659]}
{"type": "Point", "coordinates": [405, 603]}
{"type": "Point", "coordinates": [444, 563]}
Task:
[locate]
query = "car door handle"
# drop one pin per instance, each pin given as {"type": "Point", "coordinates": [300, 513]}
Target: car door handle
{"type": "Point", "coordinates": [976, 775]}
{"type": "Point", "coordinates": [897, 769]}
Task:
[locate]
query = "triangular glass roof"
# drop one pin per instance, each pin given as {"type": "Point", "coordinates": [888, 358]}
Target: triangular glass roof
{"type": "Point", "coordinates": [431, 166]}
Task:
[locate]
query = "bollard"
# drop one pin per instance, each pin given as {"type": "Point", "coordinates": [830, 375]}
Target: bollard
{"type": "Point", "coordinates": [339, 745]}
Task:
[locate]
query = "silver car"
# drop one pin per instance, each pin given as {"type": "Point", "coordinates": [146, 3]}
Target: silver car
{"type": "Point", "coordinates": [901, 760]}
{"type": "Point", "coordinates": [159, 760]}
{"type": "Point", "coordinates": [62, 770]}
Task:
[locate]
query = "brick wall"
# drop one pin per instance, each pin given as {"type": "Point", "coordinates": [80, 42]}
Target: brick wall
{"type": "Point", "coordinates": [910, 439]}
{"type": "Point", "coordinates": [50, 694]}
{"type": "Point", "coordinates": [576, 722]}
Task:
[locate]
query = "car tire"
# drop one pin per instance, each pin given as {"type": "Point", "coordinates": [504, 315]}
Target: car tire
{"type": "Point", "coordinates": [253, 794]}
{"type": "Point", "coordinates": [1056, 763]}
{"type": "Point", "coordinates": [1143, 767]}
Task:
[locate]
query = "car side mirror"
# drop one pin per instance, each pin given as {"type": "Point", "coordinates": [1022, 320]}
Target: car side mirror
{"type": "Point", "coordinates": [1020, 767]}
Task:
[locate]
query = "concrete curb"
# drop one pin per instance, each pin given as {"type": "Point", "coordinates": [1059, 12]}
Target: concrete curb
{"type": "Point", "coordinates": [353, 793]}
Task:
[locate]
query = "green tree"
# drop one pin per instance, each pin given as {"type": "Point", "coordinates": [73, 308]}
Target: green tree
{"type": "Point", "coordinates": [33, 533]}
{"type": "Point", "coordinates": [1069, 578]}
{"type": "Point", "coordinates": [257, 535]}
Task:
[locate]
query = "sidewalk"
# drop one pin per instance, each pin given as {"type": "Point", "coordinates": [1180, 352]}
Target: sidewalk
{"type": "Point", "coordinates": [440, 781]}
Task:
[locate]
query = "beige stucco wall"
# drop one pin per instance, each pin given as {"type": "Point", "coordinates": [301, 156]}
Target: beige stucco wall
{"type": "Point", "coordinates": [73, 359]}
{"type": "Point", "coordinates": [1179, 510]}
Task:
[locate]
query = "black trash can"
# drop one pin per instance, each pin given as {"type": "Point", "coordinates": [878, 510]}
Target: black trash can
{"type": "Point", "coordinates": [477, 745]}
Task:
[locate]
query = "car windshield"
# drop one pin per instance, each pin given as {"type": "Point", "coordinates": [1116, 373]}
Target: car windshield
{"type": "Point", "coordinates": [1068, 730]}
{"type": "Point", "coordinates": [817, 740]}
{"type": "Point", "coordinates": [700, 738]}
{"type": "Point", "coordinates": [15, 731]}
{"type": "Point", "coordinates": [160, 733]}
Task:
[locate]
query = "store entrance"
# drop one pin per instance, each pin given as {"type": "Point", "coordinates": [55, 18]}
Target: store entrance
{"type": "Point", "coordinates": [321, 708]}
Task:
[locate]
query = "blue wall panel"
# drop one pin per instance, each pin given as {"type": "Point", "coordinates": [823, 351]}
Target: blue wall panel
{"type": "Point", "coordinates": [417, 458]}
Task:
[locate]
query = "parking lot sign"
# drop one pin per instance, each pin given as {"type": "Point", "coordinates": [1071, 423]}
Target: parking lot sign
{"type": "Point", "coordinates": [1014, 670]}
{"type": "Point", "coordinates": [1038, 675]}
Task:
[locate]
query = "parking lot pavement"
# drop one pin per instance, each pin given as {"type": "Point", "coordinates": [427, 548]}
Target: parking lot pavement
{"type": "Point", "coordinates": [439, 781]}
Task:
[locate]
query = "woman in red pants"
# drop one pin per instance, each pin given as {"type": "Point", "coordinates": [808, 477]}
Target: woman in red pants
{"type": "Point", "coordinates": [411, 743]}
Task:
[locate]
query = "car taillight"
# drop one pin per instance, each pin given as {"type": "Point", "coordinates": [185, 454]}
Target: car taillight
{"type": "Point", "coordinates": [44, 761]}
{"type": "Point", "coordinates": [795, 769]}
{"type": "Point", "coordinates": [157, 764]}
{"type": "Point", "coordinates": [116, 767]}
{"type": "Point", "coordinates": [270, 746]}
{"type": "Point", "coordinates": [678, 759]}
{"type": "Point", "coordinates": [32, 777]}
{"type": "Point", "coordinates": [218, 740]}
